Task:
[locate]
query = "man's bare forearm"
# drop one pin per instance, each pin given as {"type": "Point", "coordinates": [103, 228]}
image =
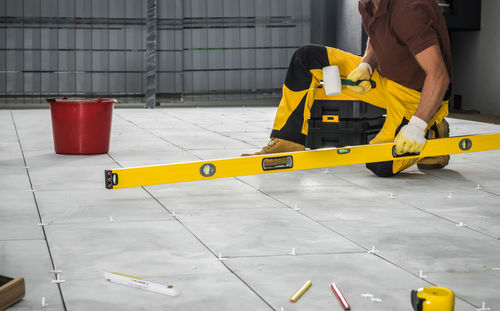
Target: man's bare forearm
{"type": "Point", "coordinates": [435, 86]}
{"type": "Point", "coordinates": [370, 56]}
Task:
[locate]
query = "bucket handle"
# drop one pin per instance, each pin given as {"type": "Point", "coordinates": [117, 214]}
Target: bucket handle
{"type": "Point", "coordinates": [52, 100]}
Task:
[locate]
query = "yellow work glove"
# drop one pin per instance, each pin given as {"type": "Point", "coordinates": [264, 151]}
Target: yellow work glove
{"type": "Point", "coordinates": [411, 137]}
{"type": "Point", "coordinates": [362, 72]}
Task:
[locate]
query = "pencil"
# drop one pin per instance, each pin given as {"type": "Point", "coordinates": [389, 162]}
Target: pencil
{"type": "Point", "coordinates": [301, 291]}
{"type": "Point", "coordinates": [340, 297]}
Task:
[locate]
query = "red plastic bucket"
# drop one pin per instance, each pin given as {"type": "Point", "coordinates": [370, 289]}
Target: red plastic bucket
{"type": "Point", "coordinates": [81, 126]}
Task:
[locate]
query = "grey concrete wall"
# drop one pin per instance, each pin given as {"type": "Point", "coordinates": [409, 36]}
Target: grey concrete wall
{"type": "Point", "coordinates": [476, 57]}
{"type": "Point", "coordinates": [337, 24]}
{"type": "Point", "coordinates": [323, 22]}
{"type": "Point", "coordinates": [348, 27]}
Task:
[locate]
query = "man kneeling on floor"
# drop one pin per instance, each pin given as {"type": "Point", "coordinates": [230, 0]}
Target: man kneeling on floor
{"type": "Point", "coordinates": [407, 55]}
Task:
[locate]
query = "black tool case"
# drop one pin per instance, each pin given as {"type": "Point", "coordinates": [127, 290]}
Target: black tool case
{"type": "Point", "coordinates": [339, 123]}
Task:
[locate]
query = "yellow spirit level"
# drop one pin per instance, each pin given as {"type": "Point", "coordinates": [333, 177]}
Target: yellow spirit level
{"type": "Point", "coordinates": [293, 161]}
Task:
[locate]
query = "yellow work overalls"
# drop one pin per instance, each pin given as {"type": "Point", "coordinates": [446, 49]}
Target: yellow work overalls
{"type": "Point", "coordinates": [300, 91]}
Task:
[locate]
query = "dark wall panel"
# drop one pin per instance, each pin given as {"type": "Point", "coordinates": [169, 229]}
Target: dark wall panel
{"type": "Point", "coordinates": [206, 49]}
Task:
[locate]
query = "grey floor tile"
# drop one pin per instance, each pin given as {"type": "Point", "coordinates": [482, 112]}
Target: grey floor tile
{"type": "Point", "coordinates": [225, 126]}
{"type": "Point", "coordinates": [17, 204]}
{"type": "Point", "coordinates": [65, 178]}
{"type": "Point", "coordinates": [43, 144]}
{"type": "Point", "coordinates": [34, 135]}
{"type": "Point", "coordinates": [44, 158]}
{"type": "Point", "coordinates": [152, 120]}
{"type": "Point", "coordinates": [127, 139]}
{"type": "Point", "coordinates": [5, 118]}
{"type": "Point", "coordinates": [477, 170]}
{"type": "Point", "coordinates": [493, 190]}
{"type": "Point", "coordinates": [409, 180]}
{"type": "Point", "coordinates": [213, 154]}
{"type": "Point", "coordinates": [340, 213]}
{"type": "Point", "coordinates": [147, 248]}
{"type": "Point", "coordinates": [99, 206]}
{"type": "Point", "coordinates": [478, 209]}
{"type": "Point", "coordinates": [20, 228]}
{"type": "Point", "coordinates": [287, 182]}
{"type": "Point", "coordinates": [419, 241]}
{"type": "Point", "coordinates": [13, 179]}
{"type": "Point", "coordinates": [201, 140]}
{"type": "Point", "coordinates": [19, 216]}
{"type": "Point", "coordinates": [219, 194]}
{"type": "Point", "coordinates": [10, 154]}
{"type": "Point", "coordinates": [122, 128]}
{"type": "Point", "coordinates": [343, 202]}
{"type": "Point", "coordinates": [196, 292]}
{"type": "Point", "coordinates": [8, 137]}
{"type": "Point", "coordinates": [30, 260]}
{"type": "Point", "coordinates": [277, 278]}
{"type": "Point", "coordinates": [258, 138]}
{"type": "Point", "coordinates": [145, 155]}
{"type": "Point", "coordinates": [264, 232]}
{"type": "Point", "coordinates": [485, 280]}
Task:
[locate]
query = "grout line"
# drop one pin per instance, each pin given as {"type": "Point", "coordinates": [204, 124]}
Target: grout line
{"type": "Point", "coordinates": [465, 179]}
{"type": "Point", "coordinates": [425, 280]}
{"type": "Point", "coordinates": [149, 132]}
{"type": "Point", "coordinates": [54, 224]}
{"type": "Point", "coordinates": [209, 130]}
{"type": "Point", "coordinates": [180, 147]}
{"type": "Point", "coordinates": [447, 219]}
{"type": "Point", "coordinates": [299, 212]}
{"type": "Point", "coordinates": [493, 193]}
{"type": "Point", "coordinates": [15, 240]}
{"type": "Point", "coordinates": [37, 207]}
{"type": "Point", "coordinates": [199, 240]}
{"type": "Point", "coordinates": [296, 255]}
{"type": "Point", "coordinates": [428, 212]}
{"type": "Point", "coordinates": [210, 250]}
{"type": "Point", "coordinates": [344, 236]}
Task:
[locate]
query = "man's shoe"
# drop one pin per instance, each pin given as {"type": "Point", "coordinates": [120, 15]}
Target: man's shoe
{"type": "Point", "coordinates": [278, 145]}
{"type": "Point", "coordinates": [440, 130]}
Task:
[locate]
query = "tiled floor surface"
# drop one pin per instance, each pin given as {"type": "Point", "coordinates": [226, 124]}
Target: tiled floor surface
{"type": "Point", "coordinates": [330, 218]}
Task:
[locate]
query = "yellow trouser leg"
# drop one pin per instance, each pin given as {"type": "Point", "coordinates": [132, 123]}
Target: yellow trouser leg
{"type": "Point", "coordinates": [399, 101]}
{"type": "Point", "coordinates": [294, 109]}
{"type": "Point", "coordinates": [299, 91]}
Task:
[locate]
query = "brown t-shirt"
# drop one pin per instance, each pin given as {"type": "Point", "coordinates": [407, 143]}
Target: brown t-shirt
{"type": "Point", "coordinates": [399, 30]}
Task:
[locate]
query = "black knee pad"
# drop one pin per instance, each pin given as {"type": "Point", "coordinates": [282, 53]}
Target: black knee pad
{"type": "Point", "coordinates": [381, 169]}
{"type": "Point", "coordinates": [310, 52]}
{"type": "Point", "coordinates": [307, 57]}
